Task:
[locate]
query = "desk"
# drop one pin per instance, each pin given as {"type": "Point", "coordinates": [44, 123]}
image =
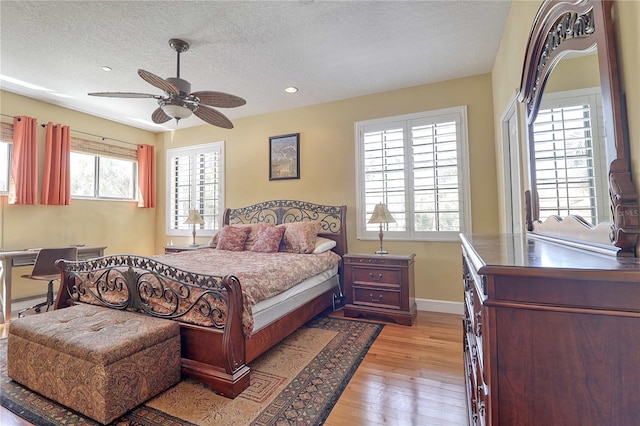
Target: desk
{"type": "Point", "coordinates": [9, 259]}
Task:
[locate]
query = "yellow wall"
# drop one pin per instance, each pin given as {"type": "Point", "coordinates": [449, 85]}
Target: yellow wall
{"type": "Point", "coordinates": [121, 226]}
{"type": "Point", "coordinates": [327, 159]}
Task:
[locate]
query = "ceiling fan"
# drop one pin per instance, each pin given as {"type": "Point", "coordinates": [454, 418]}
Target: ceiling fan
{"type": "Point", "coordinates": [179, 102]}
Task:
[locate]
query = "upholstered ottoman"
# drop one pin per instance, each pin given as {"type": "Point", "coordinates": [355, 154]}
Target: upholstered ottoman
{"type": "Point", "coordinates": [98, 361]}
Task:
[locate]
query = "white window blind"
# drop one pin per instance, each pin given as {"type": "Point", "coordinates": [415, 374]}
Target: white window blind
{"type": "Point", "coordinates": [417, 165]}
{"type": "Point", "coordinates": [566, 158]}
{"type": "Point", "coordinates": [195, 181]}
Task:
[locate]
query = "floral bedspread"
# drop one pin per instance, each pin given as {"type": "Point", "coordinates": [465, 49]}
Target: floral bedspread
{"type": "Point", "coordinates": [261, 275]}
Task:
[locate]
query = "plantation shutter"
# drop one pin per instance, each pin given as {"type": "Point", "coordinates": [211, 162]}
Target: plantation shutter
{"type": "Point", "coordinates": [415, 165]}
{"type": "Point", "coordinates": [565, 160]}
{"type": "Point", "coordinates": [196, 183]}
{"type": "Point", "coordinates": [384, 172]}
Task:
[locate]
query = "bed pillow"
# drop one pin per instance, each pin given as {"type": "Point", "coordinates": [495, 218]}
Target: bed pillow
{"type": "Point", "coordinates": [232, 238]}
{"type": "Point", "coordinates": [268, 240]}
{"type": "Point", "coordinates": [323, 244]}
{"type": "Point", "coordinates": [300, 237]}
{"type": "Point", "coordinates": [254, 229]}
{"type": "Point", "coordinates": [213, 242]}
{"type": "Point", "coordinates": [251, 237]}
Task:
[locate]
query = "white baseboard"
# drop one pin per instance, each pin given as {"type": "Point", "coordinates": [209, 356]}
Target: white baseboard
{"type": "Point", "coordinates": [442, 306]}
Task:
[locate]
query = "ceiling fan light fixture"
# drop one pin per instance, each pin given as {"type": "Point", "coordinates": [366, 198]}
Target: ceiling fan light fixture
{"type": "Point", "coordinates": [176, 111]}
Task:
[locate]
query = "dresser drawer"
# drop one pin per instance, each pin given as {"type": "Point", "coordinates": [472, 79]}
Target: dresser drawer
{"type": "Point", "coordinates": [387, 297]}
{"type": "Point", "coordinates": [376, 275]}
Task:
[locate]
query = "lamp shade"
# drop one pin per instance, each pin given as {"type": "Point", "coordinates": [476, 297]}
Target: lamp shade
{"type": "Point", "coordinates": [194, 218]}
{"type": "Point", "coordinates": [381, 214]}
{"type": "Point", "coordinates": [176, 111]}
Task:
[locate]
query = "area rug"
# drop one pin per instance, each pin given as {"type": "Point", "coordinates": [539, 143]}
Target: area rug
{"type": "Point", "coordinates": [296, 382]}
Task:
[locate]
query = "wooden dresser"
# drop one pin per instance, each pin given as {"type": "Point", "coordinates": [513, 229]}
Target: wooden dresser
{"type": "Point", "coordinates": [380, 285]}
{"type": "Point", "coordinates": [551, 334]}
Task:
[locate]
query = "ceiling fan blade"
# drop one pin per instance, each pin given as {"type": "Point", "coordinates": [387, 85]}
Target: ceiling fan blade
{"type": "Point", "coordinates": [158, 82]}
{"type": "Point", "coordinates": [159, 116]}
{"type": "Point", "coordinates": [124, 95]}
{"type": "Point", "coordinates": [214, 117]}
{"type": "Point", "coordinates": [219, 99]}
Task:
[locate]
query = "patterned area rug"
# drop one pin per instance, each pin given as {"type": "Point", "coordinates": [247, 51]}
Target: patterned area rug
{"type": "Point", "coordinates": [298, 381]}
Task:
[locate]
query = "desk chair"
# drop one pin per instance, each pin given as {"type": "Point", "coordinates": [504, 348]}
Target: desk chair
{"type": "Point", "coordinates": [45, 269]}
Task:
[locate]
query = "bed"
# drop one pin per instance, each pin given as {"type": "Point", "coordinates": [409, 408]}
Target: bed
{"type": "Point", "coordinates": [223, 326]}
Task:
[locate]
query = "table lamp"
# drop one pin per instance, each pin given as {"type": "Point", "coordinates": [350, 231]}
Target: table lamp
{"type": "Point", "coordinates": [381, 215]}
{"type": "Point", "coordinates": [194, 219]}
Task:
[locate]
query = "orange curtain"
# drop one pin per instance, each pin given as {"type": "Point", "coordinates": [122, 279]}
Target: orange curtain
{"type": "Point", "coordinates": [23, 182]}
{"type": "Point", "coordinates": [56, 179]}
{"type": "Point", "coordinates": [146, 176]}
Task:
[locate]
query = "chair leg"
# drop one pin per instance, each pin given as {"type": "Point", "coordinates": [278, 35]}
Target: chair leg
{"type": "Point", "coordinates": [38, 308]}
{"type": "Point", "coordinates": [50, 300]}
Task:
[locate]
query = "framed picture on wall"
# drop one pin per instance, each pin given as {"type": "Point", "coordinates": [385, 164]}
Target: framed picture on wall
{"type": "Point", "coordinates": [284, 157]}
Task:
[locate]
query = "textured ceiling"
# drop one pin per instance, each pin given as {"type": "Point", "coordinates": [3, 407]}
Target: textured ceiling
{"type": "Point", "coordinates": [330, 50]}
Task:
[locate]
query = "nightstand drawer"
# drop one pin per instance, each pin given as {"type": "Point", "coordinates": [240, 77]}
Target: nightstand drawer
{"type": "Point", "coordinates": [387, 297]}
{"type": "Point", "coordinates": [376, 275]}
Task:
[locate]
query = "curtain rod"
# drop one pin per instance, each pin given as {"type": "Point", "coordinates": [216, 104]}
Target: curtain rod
{"type": "Point", "coordinates": [104, 138]}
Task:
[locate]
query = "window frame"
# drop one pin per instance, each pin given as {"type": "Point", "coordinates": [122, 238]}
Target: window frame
{"type": "Point", "coordinates": [96, 180]}
{"type": "Point", "coordinates": [459, 113]}
{"type": "Point", "coordinates": [8, 146]}
{"type": "Point", "coordinates": [195, 149]}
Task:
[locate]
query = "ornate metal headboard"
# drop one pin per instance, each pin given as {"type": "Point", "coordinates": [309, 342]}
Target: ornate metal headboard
{"type": "Point", "coordinates": [332, 218]}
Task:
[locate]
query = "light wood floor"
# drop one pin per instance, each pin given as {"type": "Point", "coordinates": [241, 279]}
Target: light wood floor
{"type": "Point", "coordinates": [410, 376]}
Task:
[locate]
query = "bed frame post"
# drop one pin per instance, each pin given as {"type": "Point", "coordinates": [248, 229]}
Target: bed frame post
{"type": "Point", "coordinates": [198, 352]}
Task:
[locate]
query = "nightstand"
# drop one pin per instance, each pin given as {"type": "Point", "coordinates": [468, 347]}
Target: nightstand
{"type": "Point", "coordinates": [380, 285]}
{"type": "Point", "coordinates": [178, 249]}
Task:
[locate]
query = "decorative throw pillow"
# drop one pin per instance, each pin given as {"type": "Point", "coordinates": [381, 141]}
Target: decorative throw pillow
{"type": "Point", "coordinates": [300, 237]}
{"type": "Point", "coordinates": [232, 238]}
{"type": "Point", "coordinates": [323, 244]}
{"type": "Point", "coordinates": [268, 240]}
{"type": "Point", "coordinates": [254, 229]}
{"type": "Point", "coordinates": [251, 237]}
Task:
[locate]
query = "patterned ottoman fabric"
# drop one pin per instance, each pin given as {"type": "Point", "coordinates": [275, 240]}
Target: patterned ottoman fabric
{"type": "Point", "coordinates": [98, 361]}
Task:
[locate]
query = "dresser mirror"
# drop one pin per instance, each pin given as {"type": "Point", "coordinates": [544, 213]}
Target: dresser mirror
{"type": "Point", "coordinates": [581, 191]}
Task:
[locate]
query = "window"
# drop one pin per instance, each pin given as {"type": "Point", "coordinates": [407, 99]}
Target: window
{"type": "Point", "coordinates": [195, 180]}
{"type": "Point", "coordinates": [6, 140]}
{"type": "Point", "coordinates": [417, 164]}
{"type": "Point", "coordinates": [567, 180]}
{"type": "Point", "coordinates": [95, 176]}
{"type": "Point", "coordinates": [103, 171]}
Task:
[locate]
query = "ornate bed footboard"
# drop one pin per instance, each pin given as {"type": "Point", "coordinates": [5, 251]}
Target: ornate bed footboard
{"type": "Point", "coordinates": [209, 309]}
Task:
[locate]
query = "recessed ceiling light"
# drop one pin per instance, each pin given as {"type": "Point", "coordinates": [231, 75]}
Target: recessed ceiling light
{"type": "Point", "coordinates": [291, 89]}
{"type": "Point", "coordinates": [106, 68]}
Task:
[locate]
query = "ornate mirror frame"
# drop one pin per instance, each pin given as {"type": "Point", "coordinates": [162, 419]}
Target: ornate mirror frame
{"type": "Point", "coordinates": [562, 27]}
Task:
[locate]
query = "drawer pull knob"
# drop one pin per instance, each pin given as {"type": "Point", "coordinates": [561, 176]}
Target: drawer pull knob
{"type": "Point", "coordinates": [375, 279]}
{"type": "Point", "coordinates": [375, 300]}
